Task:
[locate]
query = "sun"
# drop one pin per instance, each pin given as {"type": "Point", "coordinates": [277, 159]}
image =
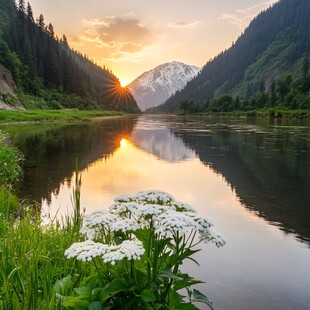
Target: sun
{"type": "Point", "coordinates": [123, 83]}
{"type": "Point", "coordinates": [123, 143]}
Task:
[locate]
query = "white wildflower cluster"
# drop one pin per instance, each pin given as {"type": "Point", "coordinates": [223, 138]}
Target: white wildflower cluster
{"type": "Point", "coordinates": [150, 210]}
{"type": "Point", "coordinates": [130, 249]}
{"type": "Point", "coordinates": [96, 223]}
{"type": "Point", "coordinates": [151, 196]}
{"type": "Point", "coordinates": [138, 211]}
{"type": "Point", "coordinates": [87, 250]}
{"type": "Point", "coordinates": [168, 215]}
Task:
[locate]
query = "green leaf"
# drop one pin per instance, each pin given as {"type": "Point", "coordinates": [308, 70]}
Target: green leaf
{"type": "Point", "coordinates": [95, 305]}
{"type": "Point", "coordinates": [185, 306]}
{"type": "Point", "coordinates": [187, 254]}
{"type": "Point", "coordinates": [186, 281]}
{"type": "Point", "coordinates": [76, 303]}
{"type": "Point", "coordinates": [199, 297]}
{"type": "Point", "coordinates": [84, 292]}
{"type": "Point", "coordinates": [116, 286]}
{"type": "Point", "coordinates": [148, 307]}
{"type": "Point", "coordinates": [167, 273]}
{"type": "Point", "coordinates": [148, 296]}
{"type": "Point", "coordinates": [174, 299]}
{"type": "Point", "coordinates": [63, 286]}
{"type": "Point", "coordinates": [141, 279]}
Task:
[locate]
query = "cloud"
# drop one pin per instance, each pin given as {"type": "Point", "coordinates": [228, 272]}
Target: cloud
{"type": "Point", "coordinates": [184, 24]}
{"type": "Point", "coordinates": [242, 18]}
{"type": "Point", "coordinates": [131, 48]}
{"type": "Point", "coordinates": [118, 37]}
{"type": "Point", "coordinates": [125, 31]}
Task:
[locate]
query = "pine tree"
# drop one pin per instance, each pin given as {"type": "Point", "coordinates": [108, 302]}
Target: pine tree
{"type": "Point", "coordinates": [21, 6]}
{"type": "Point", "coordinates": [50, 30]}
{"type": "Point", "coordinates": [40, 22]}
{"type": "Point", "coordinates": [30, 13]}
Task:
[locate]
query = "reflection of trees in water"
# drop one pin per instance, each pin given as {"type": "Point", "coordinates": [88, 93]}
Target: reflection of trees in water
{"type": "Point", "coordinates": [270, 171]}
{"type": "Point", "coordinates": [51, 153]}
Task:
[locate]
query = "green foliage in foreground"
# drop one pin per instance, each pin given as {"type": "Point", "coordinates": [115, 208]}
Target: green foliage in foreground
{"type": "Point", "coordinates": [51, 115]}
{"type": "Point", "coordinates": [31, 255]}
{"type": "Point", "coordinates": [10, 170]}
{"type": "Point", "coordinates": [136, 250]}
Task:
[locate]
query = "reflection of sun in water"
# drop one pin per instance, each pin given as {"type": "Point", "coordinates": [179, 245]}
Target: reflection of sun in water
{"type": "Point", "coordinates": [123, 142]}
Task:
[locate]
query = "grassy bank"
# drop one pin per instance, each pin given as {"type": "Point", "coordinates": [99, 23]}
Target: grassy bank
{"type": "Point", "coordinates": [51, 115]}
{"type": "Point", "coordinates": [31, 255]}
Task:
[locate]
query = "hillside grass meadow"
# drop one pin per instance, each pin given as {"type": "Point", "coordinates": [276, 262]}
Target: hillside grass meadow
{"type": "Point", "coordinates": [52, 115]}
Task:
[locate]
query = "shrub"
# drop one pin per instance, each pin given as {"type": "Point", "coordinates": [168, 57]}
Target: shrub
{"type": "Point", "coordinates": [10, 170]}
{"type": "Point", "coordinates": [136, 250]}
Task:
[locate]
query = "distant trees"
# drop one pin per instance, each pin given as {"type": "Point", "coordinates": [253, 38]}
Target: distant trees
{"type": "Point", "coordinates": [45, 66]}
{"type": "Point", "coordinates": [279, 36]}
{"type": "Point", "coordinates": [284, 93]}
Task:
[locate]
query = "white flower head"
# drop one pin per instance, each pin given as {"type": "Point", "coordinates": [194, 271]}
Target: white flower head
{"type": "Point", "coordinates": [183, 207]}
{"type": "Point", "coordinates": [124, 198]}
{"type": "Point", "coordinates": [123, 208]}
{"type": "Point", "coordinates": [129, 249]}
{"type": "Point", "coordinates": [153, 196]}
{"type": "Point", "coordinates": [97, 222]}
{"type": "Point", "coordinates": [174, 221]}
{"type": "Point", "coordinates": [86, 251]}
{"type": "Point", "coordinates": [211, 236]}
{"type": "Point", "coordinates": [125, 225]}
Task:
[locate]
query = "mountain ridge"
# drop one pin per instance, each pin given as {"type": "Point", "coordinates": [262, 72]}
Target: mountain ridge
{"type": "Point", "coordinates": [271, 47]}
{"type": "Point", "coordinates": [153, 87]}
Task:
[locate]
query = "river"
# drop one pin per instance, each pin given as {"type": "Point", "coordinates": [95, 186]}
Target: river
{"type": "Point", "coordinates": [250, 177]}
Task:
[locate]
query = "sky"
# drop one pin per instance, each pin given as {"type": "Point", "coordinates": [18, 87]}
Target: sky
{"type": "Point", "coordinates": [133, 36]}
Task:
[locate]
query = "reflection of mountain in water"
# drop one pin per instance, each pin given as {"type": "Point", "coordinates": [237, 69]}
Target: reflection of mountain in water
{"type": "Point", "coordinates": [51, 153]}
{"type": "Point", "coordinates": [161, 143]}
{"type": "Point", "coordinates": [269, 172]}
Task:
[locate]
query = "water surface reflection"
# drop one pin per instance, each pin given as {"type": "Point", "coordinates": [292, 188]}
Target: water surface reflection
{"type": "Point", "coordinates": [252, 179]}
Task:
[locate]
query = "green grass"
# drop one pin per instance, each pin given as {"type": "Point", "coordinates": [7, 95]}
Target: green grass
{"type": "Point", "coordinates": [51, 115]}
{"type": "Point", "coordinates": [31, 254]}
{"type": "Point", "coordinates": [32, 260]}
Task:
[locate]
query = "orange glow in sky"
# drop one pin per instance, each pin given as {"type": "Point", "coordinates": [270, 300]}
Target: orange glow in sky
{"type": "Point", "coordinates": [131, 37]}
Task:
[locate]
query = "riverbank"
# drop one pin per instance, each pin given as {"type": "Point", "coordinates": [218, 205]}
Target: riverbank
{"type": "Point", "coordinates": [32, 255]}
{"type": "Point", "coordinates": [259, 113]}
{"type": "Point", "coordinates": [19, 116]}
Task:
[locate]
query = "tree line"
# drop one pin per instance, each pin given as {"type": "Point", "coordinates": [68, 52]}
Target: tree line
{"type": "Point", "coordinates": [284, 93]}
{"type": "Point", "coordinates": [45, 66]}
{"type": "Point", "coordinates": [275, 41]}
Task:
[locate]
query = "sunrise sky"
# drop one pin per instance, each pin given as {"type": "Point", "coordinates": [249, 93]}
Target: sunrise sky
{"type": "Point", "coordinates": [133, 36]}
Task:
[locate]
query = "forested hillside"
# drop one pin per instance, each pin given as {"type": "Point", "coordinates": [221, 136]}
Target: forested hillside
{"type": "Point", "coordinates": [47, 72]}
{"type": "Point", "coordinates": [267, 66]}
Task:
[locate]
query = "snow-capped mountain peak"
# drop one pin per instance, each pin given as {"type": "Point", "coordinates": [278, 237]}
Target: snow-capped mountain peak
{"type": "Point", "coordinates": [154, 87]}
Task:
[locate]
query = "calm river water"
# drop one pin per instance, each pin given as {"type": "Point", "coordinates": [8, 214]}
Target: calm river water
{"type": "Point", "coordinates": [251, 178]}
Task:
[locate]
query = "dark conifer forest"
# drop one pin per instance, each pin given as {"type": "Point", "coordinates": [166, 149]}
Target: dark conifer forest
{"type": "Point", "coordinates": [267, 67]}
{"type": "Point", "coordinates": [47, 72]}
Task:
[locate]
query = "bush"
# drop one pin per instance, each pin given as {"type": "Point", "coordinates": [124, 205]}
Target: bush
{"type": "Point", "coordinates": [135, 251]}
{"type": "Point", "coordinates": [10, 170]}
